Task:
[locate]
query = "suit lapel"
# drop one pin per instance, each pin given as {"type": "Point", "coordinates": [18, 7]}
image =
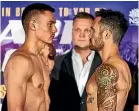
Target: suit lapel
{"type": "Point", "coordinates": [68, 64]}
{"type": "Point", "coordinates": [95, 63]}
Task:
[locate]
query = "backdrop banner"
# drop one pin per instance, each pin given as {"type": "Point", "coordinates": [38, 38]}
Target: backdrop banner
{"type": "Point", "coordinates": [12, 34]}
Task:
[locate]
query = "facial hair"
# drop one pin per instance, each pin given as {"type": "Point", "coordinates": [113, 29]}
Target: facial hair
{"type": "Point", "coordinates": [98, 43]}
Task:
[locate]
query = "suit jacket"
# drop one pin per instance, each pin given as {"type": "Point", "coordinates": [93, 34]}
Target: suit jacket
{"type": "Point", "coordinates": [63, 90]}
{"type": "Point", "coordinates": [4, 104]}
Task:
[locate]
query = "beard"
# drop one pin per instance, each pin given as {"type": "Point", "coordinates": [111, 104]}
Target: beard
{"type": "Point", "coordinates": [98, 43]}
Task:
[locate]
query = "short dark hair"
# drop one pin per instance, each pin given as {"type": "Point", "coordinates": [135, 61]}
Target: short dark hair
{"type": "Point", "coordinates": [34, 10]}
{"type": "Point", "coordinates": [113, 21]}
{"type": "Point", "coordinates": [83, 15]}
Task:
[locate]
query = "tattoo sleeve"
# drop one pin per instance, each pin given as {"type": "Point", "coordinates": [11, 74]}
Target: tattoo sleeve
{"type": "Point", "coordinates": [106, 78]}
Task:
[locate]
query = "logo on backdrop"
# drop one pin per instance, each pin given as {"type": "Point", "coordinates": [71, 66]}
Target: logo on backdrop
{"type": "Point", "coordinates": [134, 17]}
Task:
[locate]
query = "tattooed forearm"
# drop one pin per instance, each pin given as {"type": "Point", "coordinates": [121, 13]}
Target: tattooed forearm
{"type": "Point", "coordinates": [106, 77]}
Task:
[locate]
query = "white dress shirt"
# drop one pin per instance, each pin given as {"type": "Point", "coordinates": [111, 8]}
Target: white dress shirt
{"type": "Point", "coordinates": [81, 70]}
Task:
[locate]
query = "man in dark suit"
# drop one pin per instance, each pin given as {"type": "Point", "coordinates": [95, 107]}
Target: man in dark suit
{"type": "Point", "coordinates": [72, 70]}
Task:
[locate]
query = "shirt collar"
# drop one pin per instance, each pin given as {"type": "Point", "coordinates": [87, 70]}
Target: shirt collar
{"type": "Point", "coordinates": [74, 53]}
{"type": "Point", "coordinates": [90, 57]}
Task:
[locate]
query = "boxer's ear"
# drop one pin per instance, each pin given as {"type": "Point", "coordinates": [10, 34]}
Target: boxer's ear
{"type": "Point", "coordinates": [107, 34]}
{"type": "Point", "coordinates": [32, 25]}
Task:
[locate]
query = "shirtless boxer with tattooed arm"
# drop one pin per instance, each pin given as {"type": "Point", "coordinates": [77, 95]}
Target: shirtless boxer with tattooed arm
{"type": "Point", "coordinates": [26, 75]}
{"type": "Point", "coordinates": [108, 87]}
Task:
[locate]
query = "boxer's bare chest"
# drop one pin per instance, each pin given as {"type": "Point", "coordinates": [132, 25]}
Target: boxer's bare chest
{"type": "Point", "coordinates": [40, 77]}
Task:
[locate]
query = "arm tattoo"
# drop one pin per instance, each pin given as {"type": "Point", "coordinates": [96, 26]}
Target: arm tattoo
{"type": "Point", "coordinates": [106, 78]}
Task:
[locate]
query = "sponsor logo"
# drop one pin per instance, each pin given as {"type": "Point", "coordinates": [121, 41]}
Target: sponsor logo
{"type": "Point", "coordinates": [134, 17]}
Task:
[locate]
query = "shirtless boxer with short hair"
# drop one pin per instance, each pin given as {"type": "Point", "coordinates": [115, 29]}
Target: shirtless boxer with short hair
{"type": "Point", "coordinates": [108, 87]}
{"type": "Point", "coordinates": [26, 75]}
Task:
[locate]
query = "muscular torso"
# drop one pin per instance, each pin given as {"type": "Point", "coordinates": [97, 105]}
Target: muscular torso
{"type": "Point", "coordinates": [121, 89]}
{"type": "Point", "coordinates": [37, 98]}
{"type": "Point", "coordinates": [37, 88]}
